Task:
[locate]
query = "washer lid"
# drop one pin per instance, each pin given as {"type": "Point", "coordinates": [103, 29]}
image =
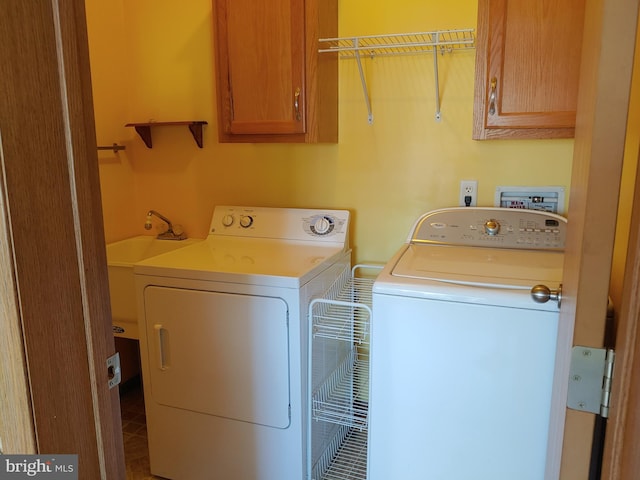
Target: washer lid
{"type": "Point", "coordinates": [242, 260]}
{"type": "Point", "coordinates": [480, 266]}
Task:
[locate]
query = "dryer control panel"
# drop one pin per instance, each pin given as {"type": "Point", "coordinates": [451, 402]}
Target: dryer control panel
{"type": "Point", "coordinates": [491, 227]}
{"type": "Point", "coordinates": [330, 226]}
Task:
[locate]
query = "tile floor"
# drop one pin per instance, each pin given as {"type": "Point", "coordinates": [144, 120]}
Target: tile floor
{"type": "Point", "coordinates": [134, 431]}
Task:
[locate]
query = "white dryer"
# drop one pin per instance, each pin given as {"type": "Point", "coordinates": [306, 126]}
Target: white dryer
{"type": "Point", "coordinates": [462, 355]}
{"type": "Point", "coordinates": [223, 340]}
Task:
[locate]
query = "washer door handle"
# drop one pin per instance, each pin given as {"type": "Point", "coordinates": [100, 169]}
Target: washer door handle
{"type": "Point", "coordinates": [542, 294]}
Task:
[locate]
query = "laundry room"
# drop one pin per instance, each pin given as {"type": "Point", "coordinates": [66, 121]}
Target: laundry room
{"type": "Point", "coordinates": [155, 61]}
{"type": "Point", "coordinates": [405, 130]}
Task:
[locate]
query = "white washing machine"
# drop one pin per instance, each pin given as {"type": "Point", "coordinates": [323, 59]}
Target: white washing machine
{"type": "Point", "coordinates": [223, 340]}
{"type": "Point", "coordinates": [462, 355]}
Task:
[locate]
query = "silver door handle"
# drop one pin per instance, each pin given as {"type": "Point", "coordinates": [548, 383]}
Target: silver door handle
{"type": "Point", "coordinates": [542, 294]}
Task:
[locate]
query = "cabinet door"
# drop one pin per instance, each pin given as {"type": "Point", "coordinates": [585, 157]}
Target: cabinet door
{"type": "Point", "coordinates": [261, 66]}
{"type": "Point", "coordinates": [527, 68]}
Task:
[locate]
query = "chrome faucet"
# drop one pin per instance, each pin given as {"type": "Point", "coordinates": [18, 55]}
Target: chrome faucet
{"type": "Point", "coordinates": [172, 233]}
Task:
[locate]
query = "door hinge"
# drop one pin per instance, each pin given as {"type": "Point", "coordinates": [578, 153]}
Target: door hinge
{"type": "Point", "coordinates": [590, 380]}
{"type": "Point", "coordinates": [113, 370]}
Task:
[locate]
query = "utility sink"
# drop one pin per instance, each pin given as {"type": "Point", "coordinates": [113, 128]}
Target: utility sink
{"type": "Point", "coordinates": [121, 257]}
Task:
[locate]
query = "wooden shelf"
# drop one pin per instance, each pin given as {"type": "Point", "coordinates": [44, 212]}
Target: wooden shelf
{"type": "Point", "coordinates": [144, 130]}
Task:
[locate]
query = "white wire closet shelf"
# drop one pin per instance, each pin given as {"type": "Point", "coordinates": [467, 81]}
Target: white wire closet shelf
{"type": "Point", "coordinates": [346, 315]}
{"type": "Point", "coordinates": [442, 41]}
{"type": "Point", "coordinates": [435, 42]}
{"type": "Point", "coordinates": [339, 376]}
{"type": "Point", "coordinates": [336, 400]}
{"type": "Point", "coordinates": [349, 460]}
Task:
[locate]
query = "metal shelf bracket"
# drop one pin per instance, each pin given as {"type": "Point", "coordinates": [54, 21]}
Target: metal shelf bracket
{"type": "Point", "coordinates": [367, 99]}
{"type": "Point", "coordinates": [436, 42]}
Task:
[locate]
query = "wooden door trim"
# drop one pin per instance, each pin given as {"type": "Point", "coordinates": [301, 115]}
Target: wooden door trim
{"type": "Point", "coordinates": [54, 223]}
{"type": "Point", "coordinates": [82, 161]}
{"type": "Point", "coordinates": [621, 460]}
{"type": "Point", "coordinates": [17, 433]}
{"type": "Point", "coordinates": [606, 67]}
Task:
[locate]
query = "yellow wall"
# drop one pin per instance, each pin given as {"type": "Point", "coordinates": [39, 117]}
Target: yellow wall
{"type": "Point", "coordinates": [154, 59]}
{"type": "Point", "coordinates": [110, 78]}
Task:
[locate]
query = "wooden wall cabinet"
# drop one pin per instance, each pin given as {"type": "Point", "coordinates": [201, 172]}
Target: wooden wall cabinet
{"type": "Point", "coordinates": [527, 68]}
{"type": "Point", "coordinates": [272, 84]}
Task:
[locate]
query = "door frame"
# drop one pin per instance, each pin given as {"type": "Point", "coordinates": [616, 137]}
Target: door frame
{"type": "Point", "coordinates": [605, 80]}
{"type": "Point", "coordinates": [621, 460]}
{"type": "Point", "coordinates": [55, 292]}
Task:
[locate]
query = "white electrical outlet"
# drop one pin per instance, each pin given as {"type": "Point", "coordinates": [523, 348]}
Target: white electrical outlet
{"type": "Point", "coordinates": [468, 193]}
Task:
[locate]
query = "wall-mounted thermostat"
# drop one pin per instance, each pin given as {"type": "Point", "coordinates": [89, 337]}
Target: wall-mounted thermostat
{"type": "Point", "coordinates": [549, 199]}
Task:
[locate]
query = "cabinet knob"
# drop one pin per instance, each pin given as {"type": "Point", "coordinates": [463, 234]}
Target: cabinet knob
{"type": "Point", "coordinates": [492, 96]}
{"type": "Point", "coordinates": [296, 103]}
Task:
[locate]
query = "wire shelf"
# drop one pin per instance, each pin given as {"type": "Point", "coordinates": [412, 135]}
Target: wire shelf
{"type": "Point", "coordinates": [334, 323]}
{"type": "Point", "coordinates": [442, 41]}
{"type": "Point", "coordinates": [338, 377]}
{"type": "Point", "coordinates": [437, 42]}
{"type": "Point", "coordinates": [348, 458]}
{"type": "Point", "coordinates": [345, 313]}
{"type": "Point", "coordinates": [336, 399]}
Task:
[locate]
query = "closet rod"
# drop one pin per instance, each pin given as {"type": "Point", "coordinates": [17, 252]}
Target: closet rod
{"type": "Point", "coordinates": [115, 148]}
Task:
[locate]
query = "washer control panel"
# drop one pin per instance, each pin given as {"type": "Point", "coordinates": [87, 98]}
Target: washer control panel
{"type": "Point", "coordinates": [281, 223]}
{"type": "Point", "coordinates": [491, 227]}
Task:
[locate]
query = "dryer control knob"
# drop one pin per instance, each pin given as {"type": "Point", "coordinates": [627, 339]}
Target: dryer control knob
{"type": "Point", "coordinates": [246, 221]}
{"type": "Point", "coordinates": [322, 225]}
{"type": "Point", "coordinates": [491, 227]}
{"type": "Point", "coordinates": [227, 220]}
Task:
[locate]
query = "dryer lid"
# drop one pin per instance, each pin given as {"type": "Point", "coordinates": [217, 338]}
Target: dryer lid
{"type": "Point", "coordinates": [507, 268]}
